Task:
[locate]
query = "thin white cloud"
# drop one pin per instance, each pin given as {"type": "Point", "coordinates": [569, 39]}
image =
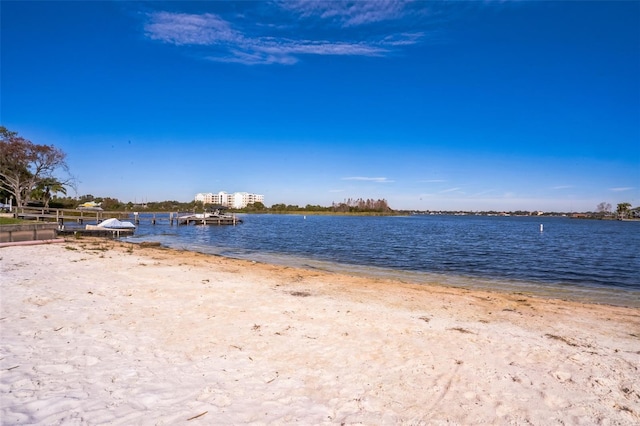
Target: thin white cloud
{"type": "Point", "coordinates": [245, 41]}
{"type": "Point", "coordinates": [403, 39]}
{"type": "Point", "coordinates": [563, 187]}
{"type": "Point", "coordinates": [188, 29]}
{"type": "Point", "coordinates": [444, 191]}
{"type": "Point", "coordinates": [432, 181]}
{"type": "Point", "coordinates": [319, 48]}
{"type": "Point", "coordinates": [369, 179]}
{"type": "Point", "coordinates": [285, 52]}
{"type": "Point", "coordinates": [348, 13]}
{"type": "Point", "coordinates": [252, 58]}
{"type": "Point", "coordinates": [621, 189]}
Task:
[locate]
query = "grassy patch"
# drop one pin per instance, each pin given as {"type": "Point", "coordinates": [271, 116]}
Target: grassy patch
{"type": "Point", "coordinates": [11, 221]}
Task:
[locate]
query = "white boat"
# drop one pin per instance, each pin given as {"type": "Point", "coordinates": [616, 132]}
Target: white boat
{"type": "Point", "coordinates": [216, 216]}
{"type": "Point", "coordinates": [111, 224]}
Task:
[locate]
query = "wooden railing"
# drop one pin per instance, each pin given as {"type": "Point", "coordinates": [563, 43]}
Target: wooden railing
{"type": "Point", "coordinates": [62, 215]}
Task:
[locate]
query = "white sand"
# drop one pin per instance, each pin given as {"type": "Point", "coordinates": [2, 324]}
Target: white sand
{"type": "Point", "coordinates": [104, 333]}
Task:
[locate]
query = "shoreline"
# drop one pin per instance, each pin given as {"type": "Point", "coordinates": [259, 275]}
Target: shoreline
{"type": "Point", "coordinates": [97, 331]}
{"type": "Point", "coordinates": [597, 295]}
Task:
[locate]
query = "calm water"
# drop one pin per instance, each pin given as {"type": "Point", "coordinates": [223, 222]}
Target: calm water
{"type": "Point", "coordinates": [576, 259]}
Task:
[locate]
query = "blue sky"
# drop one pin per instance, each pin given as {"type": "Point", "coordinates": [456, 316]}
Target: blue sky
{"type": "Point", "coordinates": [431, 105]}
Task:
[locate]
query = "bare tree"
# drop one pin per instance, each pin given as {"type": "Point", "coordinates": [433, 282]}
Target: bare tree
{"type": "Point", "coordinates": [604, 208]}
{"type": "Point", "coordinates": [24, 165]}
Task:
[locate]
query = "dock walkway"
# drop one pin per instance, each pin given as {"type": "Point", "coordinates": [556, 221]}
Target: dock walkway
{"type": "Point", "coordinates": [112, 233]}
{"type": "Point", "coordinates": [82, 217]}
{"type": "Point", "coordinates": [65, 215]}
{"type": "Point", "coordinates": [197, 219]}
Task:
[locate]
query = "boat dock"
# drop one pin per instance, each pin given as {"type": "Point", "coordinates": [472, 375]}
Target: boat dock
{"type": "Point", "coordinates": [209, 220]}
{"type": "Point", "coordinates": [74, 217]}
{"type": "Point", "coordinates": [61, 216]}
{"type": "Point", "coordinates": [74, 222]}
{"type": "Point", "coordinates": [111, 233]}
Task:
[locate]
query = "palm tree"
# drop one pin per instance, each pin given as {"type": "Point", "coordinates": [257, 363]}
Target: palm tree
{"type": "Point", "coordinates": [623, 210]}
{"type": "Point", "coordinates": [46, 188]}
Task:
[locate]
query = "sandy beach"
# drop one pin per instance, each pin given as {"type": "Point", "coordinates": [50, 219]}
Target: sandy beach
{"type": "Point", "coordinates": [101, 332]}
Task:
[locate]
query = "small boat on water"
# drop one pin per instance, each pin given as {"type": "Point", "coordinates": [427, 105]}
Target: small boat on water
{"type": "Point", "coordinates": [110, 224]}
{"type": "Point", "coordinates": [213, 217]}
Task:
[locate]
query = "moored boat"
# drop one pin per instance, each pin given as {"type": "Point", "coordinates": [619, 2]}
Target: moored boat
{"type": "Point", "coordinates": [214, 217]}
{"type": "Point", "coordinates": [112, 223]}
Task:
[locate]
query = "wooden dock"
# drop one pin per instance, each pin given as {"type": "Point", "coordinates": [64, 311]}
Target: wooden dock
{"type": "Point", "coordinates": [66, 215]}
{"type": "Point", "coordinates": [80, 232]}
{"type": "Point", "coordinates": [75, 217]}
{"type": "Point", "coordinates": [210, 220]}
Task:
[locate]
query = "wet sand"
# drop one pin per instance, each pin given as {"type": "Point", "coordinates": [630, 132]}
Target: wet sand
{"type": "Point", "coordinates": [95, 331]}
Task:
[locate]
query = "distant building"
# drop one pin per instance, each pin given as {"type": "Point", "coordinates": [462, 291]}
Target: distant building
{"type": "Point", "coordinates": [237, 200]}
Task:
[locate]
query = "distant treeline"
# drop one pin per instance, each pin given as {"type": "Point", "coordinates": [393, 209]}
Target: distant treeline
{"type": "Point", "coordinates": [113, 204]}
{"type": "Point", "coordinates": [349, 205]}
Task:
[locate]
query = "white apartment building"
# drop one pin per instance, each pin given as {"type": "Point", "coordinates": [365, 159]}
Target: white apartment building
{"type": "Point", "coordinates": [237, 200]}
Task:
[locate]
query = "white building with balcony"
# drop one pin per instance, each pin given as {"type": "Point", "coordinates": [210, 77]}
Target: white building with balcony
{"type": "Point", "coordinates": [237, 200]}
